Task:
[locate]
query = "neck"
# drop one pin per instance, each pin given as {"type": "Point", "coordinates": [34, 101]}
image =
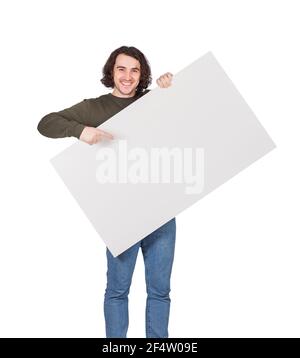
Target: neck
{"type": "Point", "coordinates": [117, 93]}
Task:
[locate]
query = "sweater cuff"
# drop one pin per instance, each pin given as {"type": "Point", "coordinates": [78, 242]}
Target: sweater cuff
{"type": "Point", "coordinates": [77, 130]}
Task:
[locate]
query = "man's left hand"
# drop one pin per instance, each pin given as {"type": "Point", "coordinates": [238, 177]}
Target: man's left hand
{"type": "Point", "coordinates": [165, 81]}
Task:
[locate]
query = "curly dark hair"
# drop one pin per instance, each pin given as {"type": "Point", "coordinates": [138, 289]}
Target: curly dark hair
{"type": "Point", "coordinates": [145, 79]}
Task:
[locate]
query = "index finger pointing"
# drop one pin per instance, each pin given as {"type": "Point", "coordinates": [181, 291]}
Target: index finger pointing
{"type": "Point", "coordinates": [106, 134]}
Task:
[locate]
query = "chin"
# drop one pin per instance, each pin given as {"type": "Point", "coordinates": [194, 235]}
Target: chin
{"type": "Point", "coordinates": [129, 91]}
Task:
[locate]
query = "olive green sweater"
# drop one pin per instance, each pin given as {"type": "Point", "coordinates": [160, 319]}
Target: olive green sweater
{"type": "Point", "coordinates": [92, 112]}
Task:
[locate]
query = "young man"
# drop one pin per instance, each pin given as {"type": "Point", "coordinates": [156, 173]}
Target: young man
{"type": "Point", "coordinates": [126, 71]}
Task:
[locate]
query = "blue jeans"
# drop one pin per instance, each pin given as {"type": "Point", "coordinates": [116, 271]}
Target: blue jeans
{"type": "Point", "coordinates": [158, 252]}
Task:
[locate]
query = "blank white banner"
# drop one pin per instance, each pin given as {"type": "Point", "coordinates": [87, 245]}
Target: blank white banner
{"type": "Point", "coordinates": [128, 188]}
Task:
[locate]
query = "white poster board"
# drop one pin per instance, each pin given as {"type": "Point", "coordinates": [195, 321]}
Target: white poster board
{"type": "Point", "coordinates": [202, 116]}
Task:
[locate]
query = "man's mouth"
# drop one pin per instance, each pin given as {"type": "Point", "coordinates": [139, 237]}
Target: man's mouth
{"type": "Point", "coordinates": [126, 84]}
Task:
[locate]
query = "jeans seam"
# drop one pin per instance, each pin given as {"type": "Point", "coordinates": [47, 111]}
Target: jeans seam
{"type": "Point", "coordinates": [148, 309]}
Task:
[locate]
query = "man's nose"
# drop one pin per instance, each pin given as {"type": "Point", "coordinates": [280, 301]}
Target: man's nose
{"type": "Point", "coordinates": [127, 75]}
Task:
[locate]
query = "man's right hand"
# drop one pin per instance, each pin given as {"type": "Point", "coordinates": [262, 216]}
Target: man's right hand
{"type": "Point", "coordinates": [93, 135]}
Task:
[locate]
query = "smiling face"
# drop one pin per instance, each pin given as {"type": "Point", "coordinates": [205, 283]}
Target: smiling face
{"type": "Point", "coordinates": [127, 73]}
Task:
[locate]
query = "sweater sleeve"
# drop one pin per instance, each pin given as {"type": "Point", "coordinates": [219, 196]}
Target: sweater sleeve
{"type": "Point", "coordinates": [69, 122]}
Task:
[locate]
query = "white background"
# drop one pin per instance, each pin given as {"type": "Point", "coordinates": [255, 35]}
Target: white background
{"type": "Point", "coordinates": [236, 269]}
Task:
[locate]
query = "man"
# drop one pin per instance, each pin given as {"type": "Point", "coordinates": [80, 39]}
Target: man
{"type": "Point", "coordinates": [126, 71]}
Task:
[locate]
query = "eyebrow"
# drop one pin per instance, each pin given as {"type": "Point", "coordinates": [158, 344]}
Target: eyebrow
{"type": "Point", "coordinates": [133, 68]}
